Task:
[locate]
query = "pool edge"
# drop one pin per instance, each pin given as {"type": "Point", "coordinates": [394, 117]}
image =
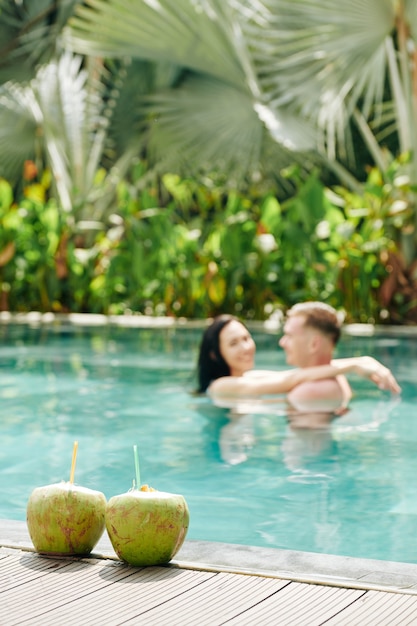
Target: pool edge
{"type": "Point", "coordinates": [273, 325]}
{"type": "Point", "coordinates": [303, 567]}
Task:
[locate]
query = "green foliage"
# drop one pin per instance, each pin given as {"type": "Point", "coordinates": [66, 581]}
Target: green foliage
{"type": "Point", "coordinates": [376, 279]}
{"type": "Point", "coordinates": [30, 235]}
{"type": "Point", "coordinates": [179, 247]}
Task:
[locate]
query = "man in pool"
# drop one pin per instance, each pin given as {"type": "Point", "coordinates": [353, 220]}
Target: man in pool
{"type": "Point", "coordinates": [311, 332]}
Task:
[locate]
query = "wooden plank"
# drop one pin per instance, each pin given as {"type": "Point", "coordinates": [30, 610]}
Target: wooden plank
{"type": "Point", "coordinates": [130, 599]}
{"type": "Point", "coordinates": [216, 600]}
{"type": "Point", "coordinates": [90, 589]}
{"type": "Point", "coordinates": [55, 587]}
{"type": "Point", "coordinates": [379, 607]}
{"type": "Point", "coordinates": [299, 604]}
{"type": "Point", "coordinates": [15, 570]}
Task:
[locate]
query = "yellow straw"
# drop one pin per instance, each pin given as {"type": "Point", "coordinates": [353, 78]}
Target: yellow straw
{"type": "Point", "coordinates": [74, 458]}
{"type": "Point", "coordinates": [135, 453]}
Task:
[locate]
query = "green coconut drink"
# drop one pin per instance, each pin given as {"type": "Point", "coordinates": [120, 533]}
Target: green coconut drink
{"type": "Point", "coordinates": [65, 519]}
{"type": "Point", "coordinates": [145, 526]}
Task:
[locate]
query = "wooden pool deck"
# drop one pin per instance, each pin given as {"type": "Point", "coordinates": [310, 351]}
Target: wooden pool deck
{"type": "Point", "coordinates": [210, 584]}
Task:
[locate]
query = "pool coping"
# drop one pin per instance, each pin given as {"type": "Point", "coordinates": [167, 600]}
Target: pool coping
{"type": "Point", "coordinates": [37, 318]}
{"type": "Point", "coordinates": [304, 567]}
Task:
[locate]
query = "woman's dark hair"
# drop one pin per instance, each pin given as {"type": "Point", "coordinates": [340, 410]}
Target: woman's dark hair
{"type": "Point", "coordinates": [211, 364]}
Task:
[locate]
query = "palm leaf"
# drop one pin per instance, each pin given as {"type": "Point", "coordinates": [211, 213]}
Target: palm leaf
{"type": "Point", "coordinates": [183, 32]}
{"type": "Point", "coordinates": [128, 82]}
{"type": "Point", "coordinates": [58, 119]}
{"type": "Point", "coordinates": [73, 124]}
{"type": "Point", "coordinates": [20, 118]}
{"type": "Point", "coordinates": [218, 115]}
{"type": "Point", "coordinates": [205, 123]}
{"type": "Point", "coordinates": [322, 56]}
{"type": "Point", "coordinates": [28, 35]}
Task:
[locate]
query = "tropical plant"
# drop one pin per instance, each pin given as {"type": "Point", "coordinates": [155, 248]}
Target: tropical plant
{"type": "Point", "coordinates": [29, 30]}
{"type": "Point", "coordinates": [379, 231]}
{"type": "Point", "coordinates": [75, 119]}
{"type": "Point", "coordinates": [158, 254]}
{"type": "Point", "coordinates": [30, 239]}
{"type": "Point", "coordinates": [239, 88]}
{"type": "Point", "coordinates": [333, 80]}
{"type": "Point", "coordinates": [213, 117]}
{"type": "Point", "coordinates": [51, 121]}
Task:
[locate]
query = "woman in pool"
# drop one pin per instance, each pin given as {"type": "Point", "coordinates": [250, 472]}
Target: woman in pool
{"type": "Point", "coordinates": [227, 353]}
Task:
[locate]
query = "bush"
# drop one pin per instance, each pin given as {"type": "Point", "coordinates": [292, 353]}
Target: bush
{"type": "Point", "coordinates": [183, 248]}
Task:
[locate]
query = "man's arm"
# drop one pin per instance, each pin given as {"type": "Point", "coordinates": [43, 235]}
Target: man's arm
{"type": "Point", "coordinates": [368, 367]}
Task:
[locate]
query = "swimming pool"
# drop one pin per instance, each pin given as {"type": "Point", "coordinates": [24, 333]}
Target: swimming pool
{"type": "Point", "coordinates": [348, 489]}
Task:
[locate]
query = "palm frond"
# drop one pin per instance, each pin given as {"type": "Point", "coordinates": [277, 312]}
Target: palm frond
{"type": "Point", "coordinates": [220, 112]}
{"type": "Point", "coordinates": [20, 120]}
{"type": "Point", "coordinates": [208, 124]}
{"type": "Point", "coordinates": [205, 121]}
{"type": "Point", "coordinates": [127, 83]}
{"type": "Point", "coordinates": [73, 124]}
{"type": "Point", "coordinates": [187, 33]}
{"type": "Point", "coordinates": [321, 56]}
{"type": "Point", "coordinates": [60, 119]}
{"type": "Point", "coordinates": [28, 35]}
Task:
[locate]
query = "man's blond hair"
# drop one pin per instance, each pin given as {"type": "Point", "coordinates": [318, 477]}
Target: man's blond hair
{"type": "Point", "coordinates": [321, 317]}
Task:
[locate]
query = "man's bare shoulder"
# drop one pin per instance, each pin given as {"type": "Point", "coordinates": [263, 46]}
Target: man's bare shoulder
{"type": "Point", "coordinates": [329, 394]}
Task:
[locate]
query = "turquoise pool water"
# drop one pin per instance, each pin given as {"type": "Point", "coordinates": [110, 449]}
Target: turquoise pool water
{"type": "Point", "coordinates": [349, 489]}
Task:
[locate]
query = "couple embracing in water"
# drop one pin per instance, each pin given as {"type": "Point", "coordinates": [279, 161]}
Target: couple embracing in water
{"type": "Point", "coordinates": [316, 381]}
